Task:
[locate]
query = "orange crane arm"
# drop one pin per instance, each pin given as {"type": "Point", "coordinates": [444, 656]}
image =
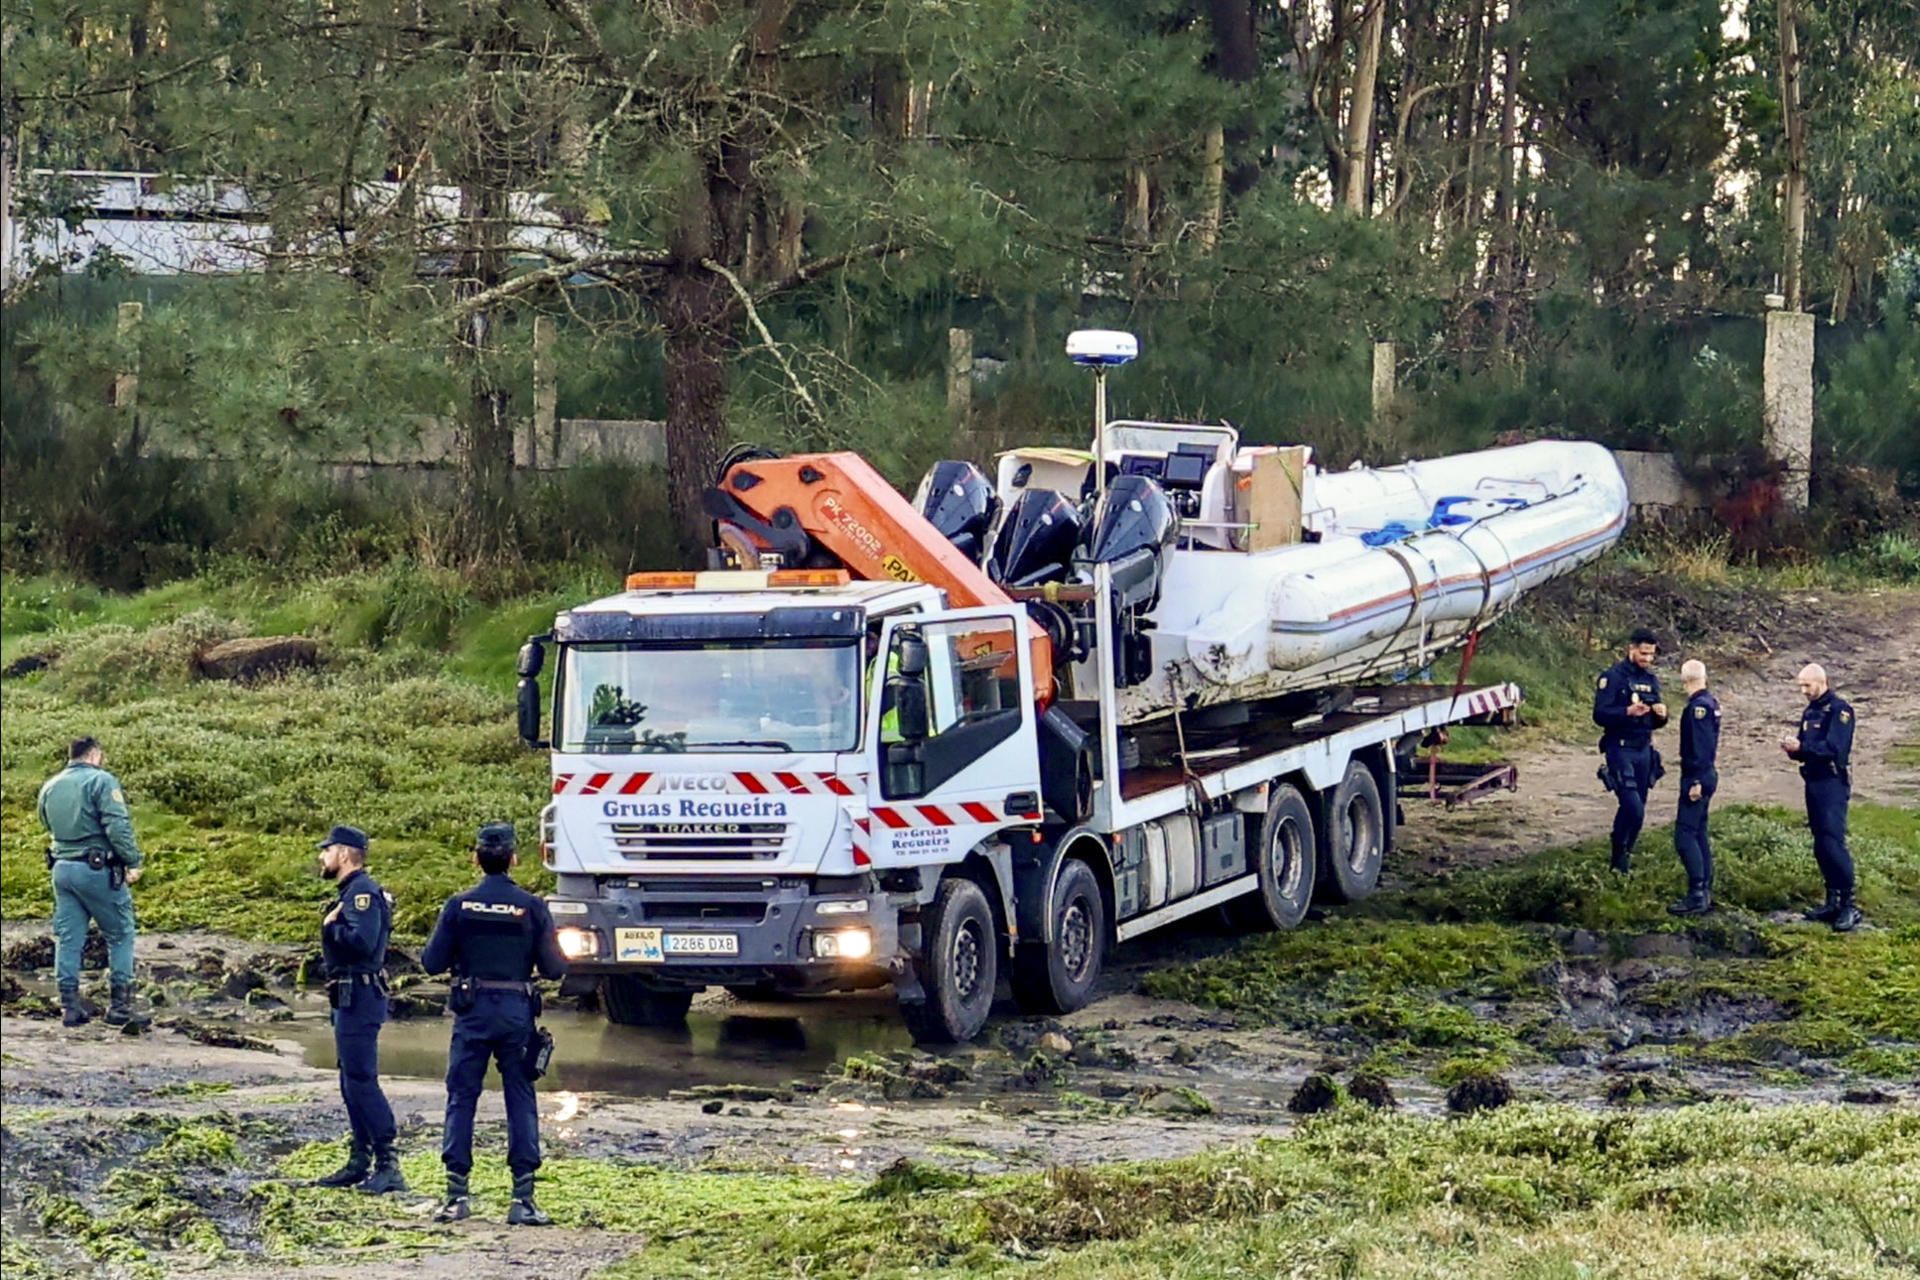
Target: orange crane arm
{"type": "Point", "coordinates": [846, 507]}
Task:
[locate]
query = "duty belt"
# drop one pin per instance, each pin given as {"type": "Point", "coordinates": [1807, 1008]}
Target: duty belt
{"type": "Point", "coordinates": [495, 984]}
{"type": "Point", "coordinates": [360, 976]}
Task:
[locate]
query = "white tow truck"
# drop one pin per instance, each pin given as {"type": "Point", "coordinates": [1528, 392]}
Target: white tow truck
{"type": "Point", "coordinates": [851, 765]}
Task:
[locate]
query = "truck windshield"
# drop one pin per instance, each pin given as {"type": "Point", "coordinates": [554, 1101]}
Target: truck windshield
{"type": "Point", "coordinates": [621, 699]}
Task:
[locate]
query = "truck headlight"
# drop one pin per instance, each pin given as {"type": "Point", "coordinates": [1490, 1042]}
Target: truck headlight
{"type": "Point", "coordinates": [843, 944]}
{"type": "Point", "coordinates": [576, 944]}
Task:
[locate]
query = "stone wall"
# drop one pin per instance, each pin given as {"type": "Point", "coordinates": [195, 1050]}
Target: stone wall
{"type": "Point", "coordinates": [1656, 484]}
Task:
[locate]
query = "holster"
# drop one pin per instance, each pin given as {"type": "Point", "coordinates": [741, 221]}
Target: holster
{"type": "Point", "coordinates": [539, 1053]}
{"type": "Point", "coordinates": [340, 993]}
{"type": "Point", "coordinates": [462, 995]}
{"type": "Point", "coordinates": [1605, 774]}
{"type": "Point", "coordinates": [116, 873]}
{"type": "Point", "coordinates": [1659, 765]}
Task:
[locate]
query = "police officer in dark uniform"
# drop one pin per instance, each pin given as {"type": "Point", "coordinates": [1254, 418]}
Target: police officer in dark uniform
{"type": "Point", "coordinates": [1824, 748]}
{"type": "Point", "coordinates": [1627, 705]}
{"type": "Point", "coordinates": [492, 938]}
{"type": "Point", "coordinates": [353, 944]}
{"type": "Point", "coordinates": [1699, 754]}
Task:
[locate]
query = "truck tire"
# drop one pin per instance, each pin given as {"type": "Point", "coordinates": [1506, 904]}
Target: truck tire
{"type": "Point", "coordinates": [630, 1002]}
{"type": "Point", "coordinates": [1356, 837]}
{"type": "Point", "coordinates": [1287, 857]}
{"type": "Point", "coordinates": [1059, 977]}
{"type": "Point", "coordinates": [958, 969]}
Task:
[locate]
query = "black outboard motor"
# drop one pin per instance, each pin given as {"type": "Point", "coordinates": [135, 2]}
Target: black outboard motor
{"type": "Point", "coordinates": [1036, 541]}
{"type": "Point", "coordinates": [957, 499]}
{"type": "Point", "coordinates": [1133, 528]}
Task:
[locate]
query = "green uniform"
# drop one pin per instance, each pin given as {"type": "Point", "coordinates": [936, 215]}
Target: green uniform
{"type": "Point", "coordinates": [85, 811]}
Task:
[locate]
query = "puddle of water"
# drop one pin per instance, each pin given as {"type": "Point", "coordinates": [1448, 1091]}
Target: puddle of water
{"type": "Point", "coordinates": [767, 1045]}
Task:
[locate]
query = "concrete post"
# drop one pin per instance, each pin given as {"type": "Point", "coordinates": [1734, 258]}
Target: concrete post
{"type": "Point", "coordinates": [546, 396]}
{"type": "Point", "coordinates": [1383, 379]}
{"type": "Point", "coordinates": [126, 383]}
{"type": "Point", "coordinates": [1788, 379]}
{"type": "Point", "coordinates": [960, 378]}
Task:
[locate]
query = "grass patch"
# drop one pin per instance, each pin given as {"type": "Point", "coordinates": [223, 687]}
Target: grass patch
{"type": "Point", "coordinates": [1354, 1192]}
{"type": "Point", "coordinates": [407, 731]}
{"type": "Point", "coordinates": [1367, 979]}
{"type": "Point", "coordinates": [1454, 968]}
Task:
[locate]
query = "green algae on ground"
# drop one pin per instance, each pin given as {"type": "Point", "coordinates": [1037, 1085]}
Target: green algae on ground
{"type": "Point", "coordinates": [1378, 981]}
{"type": "Point", "coordinates": [1467, 963]}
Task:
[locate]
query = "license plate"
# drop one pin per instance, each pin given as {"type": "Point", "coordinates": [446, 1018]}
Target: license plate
{"type": "Point", "coordinates": [702, 944]}
{"type": "Point", "coordinates": [651, 946]}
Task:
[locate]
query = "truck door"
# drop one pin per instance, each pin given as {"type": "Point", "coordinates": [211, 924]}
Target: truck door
{"type": "Point", "coordinates": [951, 740]}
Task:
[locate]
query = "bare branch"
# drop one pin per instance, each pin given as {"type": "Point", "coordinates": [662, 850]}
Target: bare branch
{"type": "Point", "coordinates": [760, 327]}
{"type": "Point", "coordinates": [808, 272]}
{"type": "Point", "coordinates": [592, 264]}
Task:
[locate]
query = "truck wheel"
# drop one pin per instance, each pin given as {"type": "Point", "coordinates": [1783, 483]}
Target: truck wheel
{"type": "Point", "coordinates": [1059, 978]}
{"type": "Point", "coordinates": [958, 970]}
{"type": "Point", "coordinates": [1356, 837]}
{"type": "Point", "coordinates": [630, 1002]}
{"type": "Point", "coordinates": [1288, 858]}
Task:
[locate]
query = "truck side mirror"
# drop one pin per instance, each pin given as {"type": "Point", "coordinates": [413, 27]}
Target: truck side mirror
{"type": "Point", "coordinates": [533, 656]}
{"type": "Point", "coordinates": [529, 708]}
{"type": "Point", "coordinates": [909, 699]}
{"type": "Point", "coordinates": [912, 653]}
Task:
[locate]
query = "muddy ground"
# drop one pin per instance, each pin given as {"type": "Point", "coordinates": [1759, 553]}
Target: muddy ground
{"type": "Point", "coordinates": [832, 1087]}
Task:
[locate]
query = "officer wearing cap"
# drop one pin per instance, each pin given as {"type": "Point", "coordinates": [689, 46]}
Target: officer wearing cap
{"type": "Point", "coordinates": [492, 938]}
{"type": "Point", "coordinates": [1627, 705]}
{"type": "Point", "coordinates": [1824, 749]}
{"type": "Point", "coordinates": [93, 857]}
{"type": "Point", "coordinates": [353, 944]}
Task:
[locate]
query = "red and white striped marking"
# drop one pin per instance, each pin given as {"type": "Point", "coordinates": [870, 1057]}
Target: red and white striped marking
{"type": "Point", "coordinates": [755, 784]}
{"type": "Point", "coordinates": [1485, 702]}
{"type": "Point", "coordinates": [862, 842]}
{"type": "Point", "coordinates": [920, 816]}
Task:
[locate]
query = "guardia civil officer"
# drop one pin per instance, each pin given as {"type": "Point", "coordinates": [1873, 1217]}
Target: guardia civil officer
{"type": "Point", "coordinates": [1627, 705]}
{"type": "Point", "coordinates": [1824, 748]}
{"type": "Point", "coordinates": [1699, 777]}
{"type": "Point", "coordinates": [492, 938]}
{"type": "Point", "coordinates": [93, 857]}
{"type": "Point", "coordinates": [353, 943]}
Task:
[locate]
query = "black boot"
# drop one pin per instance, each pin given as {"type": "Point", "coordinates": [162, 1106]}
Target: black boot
{"type": "Point", "coordinates": [120, 1007]}
{"type": "Point", "coordinates": [457, 1206]}
{"type": "Point", "coordinates": [353, 1172]}
{"type": "Point", "coordinates": [1622, 861]}
{"type": "Point", "coordinates": [1698, 902]}
{"type": "Point", "coordinates": [1825, 912]}
{"type": "Point", "coordinates": [386, 1177]}
{"type": "Point", "coordinates": [525, 1213]}
{"type": "Point", "coordinates": [73, 1010]}
{"type": "Point", "coordinates": [1847, 917]}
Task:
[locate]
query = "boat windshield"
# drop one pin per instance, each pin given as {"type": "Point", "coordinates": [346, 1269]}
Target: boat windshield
{"type": "Point", "coordinates": [617, 699]}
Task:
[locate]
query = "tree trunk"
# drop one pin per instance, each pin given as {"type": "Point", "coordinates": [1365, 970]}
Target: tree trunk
{"type": "Point", "coordinates": [1794, 118]}
{"type": "Point", "coordinates": [1357, 162]}
{"type": "Point", "coordinates": [698, 313]}
{"type": "Point", "coordinates": [1236, 59]}
{"type": "Point", "coordinates": [1504, 279]}
{"type": "Point", "coordinates": [1212, 187]}
{"type": "Point", "coordinates": [1467, 122]}
{"type": "Point", "coordinates": [485, 431]}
